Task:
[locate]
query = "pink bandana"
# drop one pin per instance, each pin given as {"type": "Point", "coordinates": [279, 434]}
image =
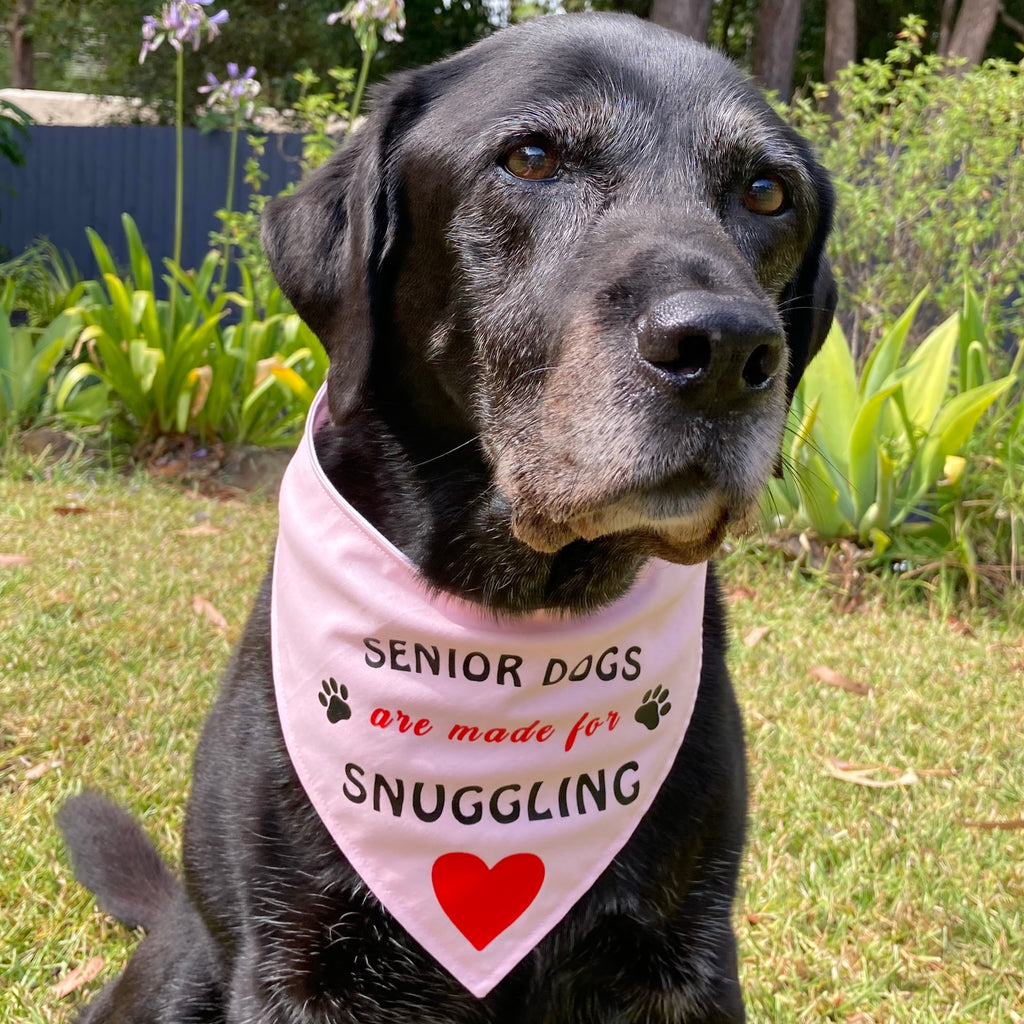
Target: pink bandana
{"type": "Point", "coordinates": [478, 774]}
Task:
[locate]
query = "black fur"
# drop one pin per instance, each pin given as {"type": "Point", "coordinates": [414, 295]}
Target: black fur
{"type": "Point", "coordinates": [535, 386]}
{"type": "Point", "coordinates": [115, 859]}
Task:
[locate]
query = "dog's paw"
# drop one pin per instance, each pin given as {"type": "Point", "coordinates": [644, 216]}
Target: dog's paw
{"type": "Point", "coordinates": [653, 707]}
{"type": "Point", "coordinates": [335, 699]}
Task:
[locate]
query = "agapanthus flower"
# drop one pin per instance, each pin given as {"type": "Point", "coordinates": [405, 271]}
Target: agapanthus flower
{"type": "Point", "coordinates": [180, 22]}
{"type": "Point", "coordinates": [236, 92]}
{"type": "Point", "coordinates": [363, 15]}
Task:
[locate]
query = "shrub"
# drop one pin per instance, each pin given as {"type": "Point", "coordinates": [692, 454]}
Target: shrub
{"type": "Point", "coordinates": [29, 357]}
{"type": "Point", "coordinates": [882, 464]}
{"type": "Point", "coordinates": [39, 284]}
{"type": "Point", "coordinates": [928, 160]}
{"type": "Point", "coordinates": [150, 367]}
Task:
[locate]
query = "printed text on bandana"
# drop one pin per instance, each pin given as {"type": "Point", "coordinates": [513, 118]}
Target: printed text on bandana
{"type": "Point", "coordinates": [470, 804]}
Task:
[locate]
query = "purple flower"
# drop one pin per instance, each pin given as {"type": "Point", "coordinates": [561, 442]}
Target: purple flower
{"type": "Point", "coordinates": [371, 16]}
{"type": "Point", "coordinates": [180, 22]}
{"type": "Point", "coordinates": [236, 92]}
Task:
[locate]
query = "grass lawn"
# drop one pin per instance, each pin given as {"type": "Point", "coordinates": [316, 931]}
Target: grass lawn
{"type": "Point", "coordinates": [884, 876]}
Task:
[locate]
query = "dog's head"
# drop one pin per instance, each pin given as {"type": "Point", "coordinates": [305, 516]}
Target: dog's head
{"type": "Point", "coordinates": [590, 245]}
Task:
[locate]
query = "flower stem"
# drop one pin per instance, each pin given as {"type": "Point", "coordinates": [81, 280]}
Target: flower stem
{"type": "Point", "coordinates": [229, 201]}
{"type": "Point", "coordinates": [179, 175]}
{"type": "Point", "coordinates": [357, 96]}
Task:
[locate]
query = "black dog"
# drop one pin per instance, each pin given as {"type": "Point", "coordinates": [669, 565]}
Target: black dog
{"type": "Point", "coordinates": [568, 280]}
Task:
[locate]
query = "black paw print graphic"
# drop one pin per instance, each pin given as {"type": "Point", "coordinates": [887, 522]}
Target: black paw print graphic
{"type": "Point", "coordinates": [653, 707]}
{"type": "Point", "coordinates": [334, 698]}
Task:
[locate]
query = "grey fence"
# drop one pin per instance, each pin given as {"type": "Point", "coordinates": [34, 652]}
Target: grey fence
{"type": "Point", "coordinates": [74, 178]}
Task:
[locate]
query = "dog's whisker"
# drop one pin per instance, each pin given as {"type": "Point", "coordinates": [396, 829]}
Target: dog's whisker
{"type": "Point", "coordinates": [445, 454]}
{"type": "Point", "coordinates": [534, 372]}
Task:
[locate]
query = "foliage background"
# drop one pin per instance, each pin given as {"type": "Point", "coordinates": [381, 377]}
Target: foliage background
{"type": "Point", "coordinates": [93, 47]}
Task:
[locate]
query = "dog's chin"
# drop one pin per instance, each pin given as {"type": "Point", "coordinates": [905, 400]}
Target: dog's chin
{"type": "Point", "coordinates": [686, 532]}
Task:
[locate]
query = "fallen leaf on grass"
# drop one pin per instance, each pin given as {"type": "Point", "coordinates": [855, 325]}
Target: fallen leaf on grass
{"type": "Point", "coordinates": [10, 561]}
{"type": "Point", "coordinates": [858, 773]}
{"type": "Point", "coordinates": [755, 636]}
{"type": "Point", "coordinates": [864, 775]}
{"type": "Point", "coordinates": [70, 510]}
{"type": "Point", "coordinates": [202, 606]}
{"type": "Point", "coordinates": [75, 979]}
{"type": "Point", "coordinates": [170, 468]}
{"type": "Point", "coordinates": [1006, 824]}
{"type": "Point", "coordinates": [203, 530]}
{"type": "Point", "coordinates": [959, 626]}
{"type": "Point", "coordinates": [834, 678]}
{"type": "Point", "coordinates": [37, 771]}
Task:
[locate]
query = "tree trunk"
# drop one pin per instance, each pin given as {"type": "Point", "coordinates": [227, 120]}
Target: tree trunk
{"type": "Point", "coordinates": [778, 32]}
{"type": "Point", "coordinates": [946, 14]}
{"type": "Point", "coordinates": [973, 28]}
{"type": "Point", "coordinates": [840, 36]}
{"type": "Point", "coordinates": [22, 57]}
{"type": "Point", "coordinates": [840, 44]}
{"type": "Point", "coordinates": [689, 17]}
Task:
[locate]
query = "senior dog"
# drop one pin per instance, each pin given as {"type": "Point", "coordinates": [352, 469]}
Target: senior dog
{"type": "Point", "coordinates": [477, 757]}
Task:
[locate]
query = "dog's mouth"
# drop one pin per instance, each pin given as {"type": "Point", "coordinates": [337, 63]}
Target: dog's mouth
{"type": "Point", "coordinates": [683, 517]}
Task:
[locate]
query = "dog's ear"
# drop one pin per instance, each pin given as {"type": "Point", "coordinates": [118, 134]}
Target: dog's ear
{"type": "Point", "coordinates": [808, 302]}
{"type": "Point", "coordinates": [326, 243]}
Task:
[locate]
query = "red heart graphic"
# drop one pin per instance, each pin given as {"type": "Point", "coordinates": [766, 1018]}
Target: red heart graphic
{"type": "Point", "coordinates": [481, 901]}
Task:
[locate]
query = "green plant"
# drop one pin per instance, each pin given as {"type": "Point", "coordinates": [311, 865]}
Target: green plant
{"type": "Point", "coordinates": [370, 20]}
{"type": "Point", "coordinates": [321, 113]}
{"type": "Point", "coordinates": [180, 22]}
{"type": "Point", "coordinates": [877, 458]}
{"type": "Point", "coordinates": [325, 110]}
{"type": "Point", "coordinates": [29, 357]}
{"type": "Point", "coordinates": [928, 161]}
{"type": "Point", "coordinates": [177, 366]}
{"type": "Point", "coordinates": [40, 283]}
{"type": "Point", "coordinates": [266, 369]}
{"type": "Point", "coordinates": [994, 513]}
{"type": "Point", "coordinates": [14, 124]}
{"type": "Point", "coordinates": [149, 354]}
{"type": "Point", "coordinates": [239, 234]}
{"type": "Point", "coordinates": [234, 98]}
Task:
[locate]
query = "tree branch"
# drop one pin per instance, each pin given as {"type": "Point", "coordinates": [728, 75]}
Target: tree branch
{"type": "Point", "coordinates": [1011, 23]}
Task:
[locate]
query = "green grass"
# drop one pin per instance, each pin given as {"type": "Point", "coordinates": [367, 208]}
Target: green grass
{"type": "Point", "coordinates": [872, 905]}
{"type": "Point", "coordinates": [860, 905]}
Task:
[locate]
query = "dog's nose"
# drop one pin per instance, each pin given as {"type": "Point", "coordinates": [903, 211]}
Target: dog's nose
{"type": "Point", "coordinates": [716, 349]}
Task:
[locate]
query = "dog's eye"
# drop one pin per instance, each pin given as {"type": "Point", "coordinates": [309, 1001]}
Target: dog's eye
{"type": "Point", "coordinates": [766, 196]}
{"type": "Point", "coordinates": [533, 160]}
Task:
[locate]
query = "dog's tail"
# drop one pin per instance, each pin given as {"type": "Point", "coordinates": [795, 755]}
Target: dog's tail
{"type": "Point", "coordinates": [116, 860]}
